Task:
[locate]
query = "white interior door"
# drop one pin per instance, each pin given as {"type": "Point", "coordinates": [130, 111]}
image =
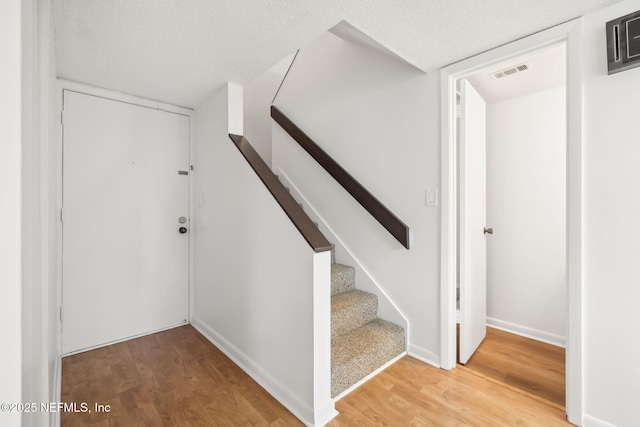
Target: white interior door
{"type": "Point", "coordinates": [125, 262]}
{"type": "Point", "coordinates": [473, 211]}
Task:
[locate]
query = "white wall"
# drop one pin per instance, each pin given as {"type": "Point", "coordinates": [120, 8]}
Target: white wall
{"type": "Point", "coordinates": [406, 149]}
{"type": "Point", "coordinates": [28, 241]}
{"type": "Point", "coordinates": [526, 206]}
{"type": "Point", "coordinates": [377, 117]}
{"type": "Point", "coordinates": [611, 229]}
{"type": "Point", "coordinates": [254, 278]}
{"type": "Point", "coordinates": [34, 388]}
{"type": "Point", "coordinates": [10, 214]}
{"type": "Point", "coordinates": [258, 95]}
{"type": "Point", "coordinates": [52, 199]}
{"type": "Point", "coordinates": [386, 309]}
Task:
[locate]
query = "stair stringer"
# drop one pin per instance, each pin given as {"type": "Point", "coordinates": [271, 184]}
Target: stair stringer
{"type": "Point", "coordinates": [387, 309]}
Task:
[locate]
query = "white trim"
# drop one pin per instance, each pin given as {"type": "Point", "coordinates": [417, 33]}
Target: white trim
{"type": "Point", "coordinates": [122, 97]}
{"type": "Point", "coordinates": [448, 233]}
{"type": "Point", "coordinates": [132, 337]}
{"type": "Point", "coordinates": [524, 331]}
{"type": "Point", "coordinates": [324, 408]}
{"type": "Point", "coordinates": [368, 377]}
{"type": "Point", "coordinates": [569, 32]}
{"type": "Point", "coordinates": [328, 412]}
{"type": "Point", "coordinates": [424, 355]}
{"type": "Point", "coordinates": [590, 421]}
{"type": "Point", "coordinates": [574, 381]}
{"type": "Point", "coordinates": [192, 212]}
{"type": "Point", "coordinates": [54, 417]}
{"type": "Point", "coordinates": [301, 410]}
{"type": "Point", "coordinates": [56, 150]}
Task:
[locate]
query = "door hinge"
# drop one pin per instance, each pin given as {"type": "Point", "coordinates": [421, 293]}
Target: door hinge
{"type": "Point", "coordinates": [62, 117]}
{"type": "Point", "coordinates": [61, 313]}
{"type": "Point", "coordinates": [61, 214]}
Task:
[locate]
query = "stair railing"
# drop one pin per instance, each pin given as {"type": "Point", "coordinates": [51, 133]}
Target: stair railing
{"type": "Point", "coordinates": [384, 216]}
{"type": "Point", "coordinates": [294, 211]}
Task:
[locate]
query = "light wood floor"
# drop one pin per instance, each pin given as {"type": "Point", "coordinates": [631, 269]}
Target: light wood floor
{"type": "Point", "coordinates": [522, 363]}
{"type": "Point", "coordinates": [178, 378]}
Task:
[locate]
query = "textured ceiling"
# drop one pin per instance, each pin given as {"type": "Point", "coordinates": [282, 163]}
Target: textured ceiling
{"type": "Point", "coordinates": [546, 70]}
{"type": "Point", "coordinates": [179, 51]}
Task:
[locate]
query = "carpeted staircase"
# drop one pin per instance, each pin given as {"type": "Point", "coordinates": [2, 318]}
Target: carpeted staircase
{"type": "Point", "coordinates": [360, 341]}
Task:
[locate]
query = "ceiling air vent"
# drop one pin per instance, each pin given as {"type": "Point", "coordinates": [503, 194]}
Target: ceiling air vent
{"type": "Point", "coordinates": [509, 71]}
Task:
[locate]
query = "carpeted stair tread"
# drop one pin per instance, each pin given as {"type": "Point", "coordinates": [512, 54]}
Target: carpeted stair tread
{"type": "Point", "coordinates": [352, 309]}
{"type": "Point", "coordinates": [360, 341]}
{"type": "Point", "coordinates": [343, 278]}
{"type": "Point", "coordinates": [357, 353]}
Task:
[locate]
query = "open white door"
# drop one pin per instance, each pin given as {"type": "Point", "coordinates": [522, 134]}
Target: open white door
{"type": "Point", "coordinates": [125, 259]}
{"type": "Point", "coordinates": [473, 255]}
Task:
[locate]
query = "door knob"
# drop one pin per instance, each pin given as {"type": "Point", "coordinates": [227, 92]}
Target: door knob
{"type": "Point", "coordinates": [182, 230]}
{"type": "Point", "coordinates": [488, 230]}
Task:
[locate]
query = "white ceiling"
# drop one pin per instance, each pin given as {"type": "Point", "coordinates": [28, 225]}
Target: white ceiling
{"type": "Point", "coordinates": [546, 70]}
{"type": "Point", "coordinates": [179, 51]}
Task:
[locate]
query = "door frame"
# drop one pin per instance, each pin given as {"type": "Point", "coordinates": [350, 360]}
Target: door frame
{"type": "Point", "coordinates": [570, 33]}
{"type": "Point", "coordinates": [60, 86]}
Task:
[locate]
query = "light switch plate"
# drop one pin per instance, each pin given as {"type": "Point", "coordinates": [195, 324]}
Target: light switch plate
{"type": "Point", "coordinates": [432, 197]}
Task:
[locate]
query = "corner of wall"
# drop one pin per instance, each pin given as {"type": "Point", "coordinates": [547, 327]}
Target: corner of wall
{"type": "Point", "coordinates": [424, 355]}
{"type": "Point", "coordinates": [383, 108]}
{"type": "Point", "coordinates": [323, 406]}
{"type": "Point", "coordinates": [236, 118]}
{"type": "Point", "coordinates": [56, 396]}
{"type": "Point", "coordinates": [252, 261]}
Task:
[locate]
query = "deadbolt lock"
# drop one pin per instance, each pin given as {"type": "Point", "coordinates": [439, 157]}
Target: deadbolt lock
{"type": "Point", "coordinates": [182, 220]}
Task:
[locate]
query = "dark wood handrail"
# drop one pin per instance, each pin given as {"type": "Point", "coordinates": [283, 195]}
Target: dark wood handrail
{"type": "Point", "coordinates": [397, 228]}
{"type": "Point", "coordinates": [294, 211]}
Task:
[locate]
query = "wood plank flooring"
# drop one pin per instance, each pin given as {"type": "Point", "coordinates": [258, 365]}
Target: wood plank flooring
{"type": "Point", "coordinates": [172, 378]}
{"type": "Point", "coordinates": [522, 363]}
{"type": "Point", "coordinates": [411, 393]}
{"type": "Point", "coordinates": [178, 378]}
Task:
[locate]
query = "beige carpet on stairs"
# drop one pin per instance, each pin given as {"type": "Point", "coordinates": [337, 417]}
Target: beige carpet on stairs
{"type": "Point", "coordinates": [360, 341]}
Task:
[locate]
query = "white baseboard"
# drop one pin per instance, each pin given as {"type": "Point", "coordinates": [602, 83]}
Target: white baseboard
{"type": "Point", "coordinates": [589, 421]}
{"type": "Point", "coordinates": [280, 392]}
{"type": "Point", "coordinates": [327, 413]}
{"type": "Point", "coordinates": [424, 355]}
{"type": "Point", "coordinates": [527, 332]}
{"type": "Point", "coordinates": [106, 344]}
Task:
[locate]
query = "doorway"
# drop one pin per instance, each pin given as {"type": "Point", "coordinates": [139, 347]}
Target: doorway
{"type": "Point", "coordinates": [512, 216]}
{"type": "Point", "coordinates": [568, 33]}
{"type": "Point", "coordinates": [125, 221]}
